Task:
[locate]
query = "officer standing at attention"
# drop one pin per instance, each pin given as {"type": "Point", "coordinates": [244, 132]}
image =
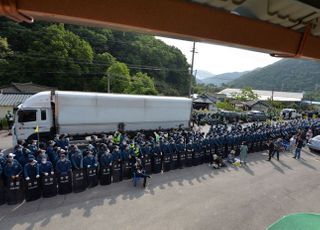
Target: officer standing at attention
{"type": "Point", "coordinates": [63, 166]}
{"type": "Point", "coordinates": [31, 169]}
{"type": "Point", "coordinates": [12, 169]}
{"type": "Point", "coordinates": [52, 153]}
{"type": "Point", "coordinates": [106, 159]}
{"type": "Point", "coordinates": [76, 158]}
{"type": "Point", "coordinates": [90, 161]}
{"type": "Point", "coordinates": [45, 167]}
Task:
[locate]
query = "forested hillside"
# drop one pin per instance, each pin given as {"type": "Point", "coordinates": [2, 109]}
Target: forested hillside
{"type": "Point", "coordinates": [81, 58]}
{"type": "Point", "coordinates": [286, 75]}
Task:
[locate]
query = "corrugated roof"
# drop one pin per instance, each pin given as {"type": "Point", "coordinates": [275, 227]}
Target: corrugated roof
{"type": "Point", "coordinates": [24, 88]}
{"type": "Point", "coordinates": [264, 95]}
{"type": "Point", "coordinates": [13, 99]}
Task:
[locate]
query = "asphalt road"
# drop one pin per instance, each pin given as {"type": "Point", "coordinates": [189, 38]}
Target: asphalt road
{"type": "Point", "coordinates": [250, 198]}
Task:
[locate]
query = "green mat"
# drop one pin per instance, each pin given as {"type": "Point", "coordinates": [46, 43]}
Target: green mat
{"type": "Point", "coordinates": [298, 221]}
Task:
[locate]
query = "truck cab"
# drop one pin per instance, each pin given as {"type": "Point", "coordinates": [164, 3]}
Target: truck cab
{"type": "Point", "coordinates": [33, 116]}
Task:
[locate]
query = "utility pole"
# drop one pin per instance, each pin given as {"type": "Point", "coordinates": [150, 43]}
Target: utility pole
{"type": "Point", "coordinates": [192, 62]}
{"type": "Point", "coordinates": [108, 83]}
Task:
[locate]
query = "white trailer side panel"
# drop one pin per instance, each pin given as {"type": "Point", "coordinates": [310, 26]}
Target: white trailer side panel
{"type": "Point", "coordinates": [81, 113]}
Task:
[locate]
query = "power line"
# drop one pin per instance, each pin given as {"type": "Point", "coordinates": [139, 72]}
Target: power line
{"type": "Point", "coordinates": [96, 63]}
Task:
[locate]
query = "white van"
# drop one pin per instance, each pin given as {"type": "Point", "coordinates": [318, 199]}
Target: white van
{"type": "Point", "coordinates": [290, 114]}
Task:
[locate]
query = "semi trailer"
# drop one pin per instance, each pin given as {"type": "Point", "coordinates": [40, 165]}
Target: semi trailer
{"type": "Point", "coordinates": [48, 113]}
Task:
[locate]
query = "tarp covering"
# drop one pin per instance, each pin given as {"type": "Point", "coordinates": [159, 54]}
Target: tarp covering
{"type": "Point", "coordinates": [298, 221]}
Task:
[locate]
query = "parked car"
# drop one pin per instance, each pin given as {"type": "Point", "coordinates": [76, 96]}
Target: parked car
{"type": "Point", "coordinates": [314, 143]}
{"type": "Point", "coordinates": [256, 115]}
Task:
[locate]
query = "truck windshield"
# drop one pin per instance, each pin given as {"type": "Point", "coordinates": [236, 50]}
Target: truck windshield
{"type": "Point", "coordinates": [27, 115]}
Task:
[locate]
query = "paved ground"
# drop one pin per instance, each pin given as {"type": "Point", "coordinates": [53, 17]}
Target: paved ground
{"type": "Point", "coordinates": [247, 198]}
{"type": "Point", "coordinates": [5, 140]}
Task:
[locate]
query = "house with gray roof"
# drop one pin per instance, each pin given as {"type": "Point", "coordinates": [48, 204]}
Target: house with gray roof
{"type": "Point", "coordinates": [16, 93]}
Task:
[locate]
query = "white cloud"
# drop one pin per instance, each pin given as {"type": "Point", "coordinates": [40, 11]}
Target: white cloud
{"type": "Point", "coordinates": [221, 59]}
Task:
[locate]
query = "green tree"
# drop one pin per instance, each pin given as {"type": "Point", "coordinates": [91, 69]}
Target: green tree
{"type": "Point", "coordinates": [119, 77]}
{"type": "Point", "coordinates": [226, 105]}
{"type": "Point", "coordinates": [59, 57]}
{"type": "Point", "coordinates": [5, 53]}
{"type": "Point", "coordinates": [142, 84]}
{"type": "Point", "coordinates": [246, 94]}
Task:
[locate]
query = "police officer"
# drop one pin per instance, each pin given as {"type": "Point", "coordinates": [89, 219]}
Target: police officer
{"type": "Point", "coordinates": [52, 152]}
{"type": "Point", "coordinates": [41, 154]}
{"type": "Point", "coordinates": [117, 169]}
{"type": "Point", "coordinates": [33, 147]}
{"type": "Point", "coordinates": [106, 159]}
{"type": "Point", "coordinates": [89, 161]}
{"type": "Point", "coordinates": [31, 169]}
{"type": "Point", "coordinates": [63, 141]}
{"type": "Point", "coordinates": [45, 167]}
{"type": "Point", "coordinates": [3, 160]}
{"type": "Point", "coordinates": [63, 166]}
{"type": "Point", "coordinates": [13, 168]}
{"type": "Point", "coordinates": [76, 157]}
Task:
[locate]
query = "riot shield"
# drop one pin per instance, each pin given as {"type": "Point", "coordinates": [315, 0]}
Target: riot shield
{"type": "Point", "coordinates": [33, 190]}
{"type": "Point", "coordinates": [181, 159]}
{"type": "Point", "coordinates": [201, 156]}
{"type": "Point", "coordinates": [79, 180]}
{"type": "Point", "coordinates": [92, 178]}
{"type": "Point", "coordinates": [166, 163]}
{"type": "Point", "coordinates": [116, 172]}
{"type": "Point", "coordinates": [14, 193]}
{"type": "Point", "coordinates": [174, 161]}
{"type": "Point", "coordinates": [207, 155]}
{"type": "Point", "coordinates": [49, 185]}
{"type": "Point", "coordinates": [156, 164]}
{"type": "Point", "coordinates": [189, 159]}
{"type": "Point", "coordinates": [64, 184]}
{"type": "Point", "coordinates": [127, 169]}
{"type": "Point", "coordinates": [256, 146]}
{"type": "Point", "coordinates": [2, 192]}
{"type": "Point", "coordinates": [147, 164]}
{"type": "Point", "coordinates": [105, 175]}
{"type": "Point", "coordinates": [195, 158]}
{"type": "Point", "coordinates": [220, 151]}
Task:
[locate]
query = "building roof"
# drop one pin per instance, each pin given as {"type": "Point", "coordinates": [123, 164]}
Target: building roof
{"type": "Point", "coordinates": [13, 99]}
{"type": "Point", "coordinates": [264, 95]}
{"type": "Point", "coordinates": [24, 88]}
{"type": "Point", "coordinates": [205, 98]}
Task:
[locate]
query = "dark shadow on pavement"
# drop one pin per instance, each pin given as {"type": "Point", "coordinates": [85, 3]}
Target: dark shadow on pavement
{"type": "Point", "coordinates": [277, 167]}
{"type": "Point", "coordinates": [304, 162]}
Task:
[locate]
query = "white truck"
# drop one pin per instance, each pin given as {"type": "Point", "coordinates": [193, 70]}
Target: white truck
{"type": "Point", "coordinates": [83, 113]}
{"type": "Point", "coordinates": [288, 113]}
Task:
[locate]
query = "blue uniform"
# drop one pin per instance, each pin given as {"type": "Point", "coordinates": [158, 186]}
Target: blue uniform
{"type": "Point", "coordinates": [105, 160]}
{"type": "Point", "coordinates": [116, 156]}
{"type": "Point", "coordinates": [52, 154]}
{"type": "Point", "coordinates": [40, 156]}
{"type": "Point", "coordinates": [33, 149]}
{"type": "Point", "coordinates": [31, 170]}
{"type": "Point", "coordinates": [77, 160]}
{"type": "Point", "coordinates": [13, 169]}
{"type": "Point", "coordinates": [90, 162]}
{"type": "Point", "coordinates": [63, 167]}
{"type": "Point", "coordinates": [3, 161]}
{"type": "Point", "coordinates": [45, 167]}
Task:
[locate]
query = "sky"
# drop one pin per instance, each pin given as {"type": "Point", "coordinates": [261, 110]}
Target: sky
{"type": "Point", "coordinates": [219, 59]}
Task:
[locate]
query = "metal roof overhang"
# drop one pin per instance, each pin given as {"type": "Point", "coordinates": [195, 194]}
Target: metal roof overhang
{"type": "Point", "coordinates": [174, 18]}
